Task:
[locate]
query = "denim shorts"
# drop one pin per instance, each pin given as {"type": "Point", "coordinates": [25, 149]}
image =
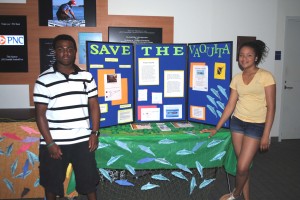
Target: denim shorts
{"type": "Point", "coordinates": [254, 130]}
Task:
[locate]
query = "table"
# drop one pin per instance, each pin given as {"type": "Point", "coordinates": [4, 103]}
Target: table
{"type": "Point", "coordinates": [156, 151]}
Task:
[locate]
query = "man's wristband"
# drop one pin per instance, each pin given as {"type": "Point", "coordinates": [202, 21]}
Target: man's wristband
{"type": "Point", "coordinates": [50, 145]}
{"type": "Point", "coordinates": [95, 133]}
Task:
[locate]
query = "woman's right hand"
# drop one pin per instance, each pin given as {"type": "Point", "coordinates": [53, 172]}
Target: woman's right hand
{"type": "Point", "coordinates": [212, 132]}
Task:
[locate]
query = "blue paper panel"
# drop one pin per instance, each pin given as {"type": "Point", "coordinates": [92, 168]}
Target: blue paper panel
{"type": "Point", "coordinates": [209, 70]}
{"type": "Point", "coordinates": [160, 82]}
{"type": "Point", "coordinates": [112, 67]}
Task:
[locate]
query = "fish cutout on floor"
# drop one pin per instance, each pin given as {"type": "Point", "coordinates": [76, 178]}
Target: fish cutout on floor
{"type": "Point", "coordinates": [197, 146]}
{"type": "Point", "coordinates": [9, 149]}
{"type": "Point", "coordinates": [29, 130]}
{"type": "Point", "coordinates": [206, 182]}
{"type": "Point", "coordinates": [105, 173]}
{"type": "Point", "coordinates": [30, 139]}
{"type": "Point", "coordinates": [32, 157]}
{"type": "Point", "coordinates": [113, 159]}
{"type": "Point", "coordinates": [199, 168]}
{"type": "Point", "coordinates": [22, 176]}
{"type": "Point", "coordinates": [145, 160]}
{"type": "Point", "coordinates": [25, 167]}
{"type": "Point", "coordinates": [160, 177]}
{"type": "Point", "coordinates": [146, 149]}
{"type": "Point", "coordinates": [166, 141]}
{"type": "Point", "coordinates": [149, 186]}
{"type": "Point", "coordinates": [212, 100]}
{"type": "Point", "coordinates": [130, 169]}
{"type": "Point", "coordinates": [162, 161]}
{"type": "Point", "coordinates": [193, 184]}
{"type": "Point", "coordinates": [219, 156]}
{"type": "Point", "coordinates": [124, 183]}
{"type": "Point", "coordinates": [36, 182]}
{"type": "Point", "coordinates": [1, 151]}
{"type": "Point", "coordinates": [214, 143]}
{"type": "Point", "coordinates": [9, 185]}
{"type": "Point", "coordinates": [223, 91]}
{"type": "Point", "coordinates": [221, 105]}
{"type": "Point", "coordinates": [123, 145]}
{"type": "Point", "coordinates": [25, 192]}
{"type": "Point", "coordinates": [179, 175]}
{"type": "Point", "coordinates": [184, 168]}
{"type": "Point", "coordinates": [102, 145]}
{"type": "Point", "coordinates": [190, 133]}
{"type": "Point", "coordinates": [24, 148]}
{"type": "Point", "coordinates": [184, 152]}
{"type": "Point", "coordinates": [13, 167]}
{"type": "Point", "coordinates": [12, 136]}
{"type": "Point", "coordinates": [212, 110]}
{"type": "Point", "coordinates": [215, 92]}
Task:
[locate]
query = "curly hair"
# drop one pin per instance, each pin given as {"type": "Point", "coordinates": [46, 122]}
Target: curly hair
{"type": "Point", "coordinates": [260, 48]}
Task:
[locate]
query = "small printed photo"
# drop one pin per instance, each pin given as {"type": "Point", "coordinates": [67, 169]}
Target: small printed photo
{"type": "Point", "coordinates": [112, 78]}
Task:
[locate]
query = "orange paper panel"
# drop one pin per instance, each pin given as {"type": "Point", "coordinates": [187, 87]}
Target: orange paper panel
{"type": "Point", "coordinates": [100, 74]}
{"type": "Point", "coordinates": [124, 99]}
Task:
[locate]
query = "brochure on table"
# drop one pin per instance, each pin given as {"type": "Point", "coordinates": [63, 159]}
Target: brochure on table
{"type": "Point", "coordinates": [143, 83]}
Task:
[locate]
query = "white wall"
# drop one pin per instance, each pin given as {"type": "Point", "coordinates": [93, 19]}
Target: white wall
{"type": "Point", "coordinates": [218, 20]}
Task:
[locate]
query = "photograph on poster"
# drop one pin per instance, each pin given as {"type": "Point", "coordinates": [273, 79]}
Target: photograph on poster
{"type": "Point", "coordinates": [67, 13]}
{"type": "Point", "coordinates": [13, 44]}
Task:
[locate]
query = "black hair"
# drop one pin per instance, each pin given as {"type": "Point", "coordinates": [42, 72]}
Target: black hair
{"type": "Point", "coordinates": [63, 37]}
{"type": "Point", "coordinates": [260, 48]}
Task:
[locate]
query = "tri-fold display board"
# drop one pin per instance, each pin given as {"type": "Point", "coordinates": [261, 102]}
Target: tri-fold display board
{"type": "Point", "coordinates": [160, 82]}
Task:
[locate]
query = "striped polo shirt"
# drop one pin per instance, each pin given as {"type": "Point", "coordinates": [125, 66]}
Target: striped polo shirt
{"type": "Point", "coordinates": [67, 99]}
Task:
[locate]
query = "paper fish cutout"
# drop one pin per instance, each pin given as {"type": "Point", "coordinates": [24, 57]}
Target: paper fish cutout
{"type": "Point", "coordinates": [223, 91]}
{"type": "Point", "coordinates": [36, 182]}
{"type": "Point", "coordinates": [9, 185]}
{"type": "Point", "coordinates": [193, 184]}
{"type": "Point", "coordinates": [25, 168]}
{"type": "Point", "coordinates": [102, 145]}
{"type": "Point", "coordinates": [2, 138]}
{"type": "Point", "coordinates": [9, 150]}
{"type": "Point", "coordinates": [23, 176]}
{"type": "Point", "coordinates": [221, 105]}
{"type": "Point", "coordinates": [184, 152]}
{"type": "Point", "coordinates": [166, 141]}
{"type": "Point", "coordinates": [113, 159]}
{"type": "Point", "coordinates": [212, 100]}
{"type": "Point", "coordinates": [11, 136]}
{"type": "Point", "coordinates": [33, 158]}
{"type": "Point", "coordinates": [219, 113]}
{"type": "Point", "coordinates": [197, 146]}
{"type": "Point", "coordinates": [205, 182]}
{"type": "Point", "coordinates": [24, 148]}
{"type": "Point", "coordinates": [146, 149]}
{"type": "Point", "coordinates": [149, 186]}
{"type": "Point", "coordinates": [124, 183]}
{"type": "Point", "coordinates": [105, 173]}
{"type": "Point", "coordinates": [199, 168]}
{"type": "Point", "coordinates": [13, 167]}
{"type": "Point", "coordinates": [219, 156]}
{"type": "Point", "coordinates": [212, 110]}
{"type": "Point", "coordinates": [160, 177]}
{"type": "Point", "coordinates": [29, 130]}
{"type": "Point", "coordinates": [162, 161]}
{"type": "Point", "coordinates": [30, 139]}
{"type": "Point", "coordinates": [145, 160]}
{"type": "Point", "coordinates": [214, 143]}
{"type": "Point", "coordinates": [179, 175]}
{"type": "Point", "coordinates": [184, 168]}
{"type": "Point", "coordinates": [130, 169]}
{"type": "Point", "coordinates": [123, 145]}
{"type": "Point", "coordinates": [215, 92]}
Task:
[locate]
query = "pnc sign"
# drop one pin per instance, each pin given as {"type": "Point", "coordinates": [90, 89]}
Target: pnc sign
{"type": "Point", "coordinates": [12, 40]}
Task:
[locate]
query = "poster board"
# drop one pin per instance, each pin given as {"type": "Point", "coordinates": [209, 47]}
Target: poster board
{"type": "Point", "coordinates": [111, 65]}
{"type": "Point", "coordinates": [209, 69]}
{"type": "Point", "coordinates": [160, 82]}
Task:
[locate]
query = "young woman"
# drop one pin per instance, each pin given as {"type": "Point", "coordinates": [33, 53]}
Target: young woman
{"type": "Point", "coordinates": [252, 107]}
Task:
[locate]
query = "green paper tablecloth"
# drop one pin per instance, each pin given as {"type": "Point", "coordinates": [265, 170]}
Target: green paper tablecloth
{"type": "Point", "coordinates": [182, 146]}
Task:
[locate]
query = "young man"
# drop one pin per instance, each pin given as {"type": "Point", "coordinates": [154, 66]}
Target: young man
{"type": "Point", "coordinates": [65, 100]}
